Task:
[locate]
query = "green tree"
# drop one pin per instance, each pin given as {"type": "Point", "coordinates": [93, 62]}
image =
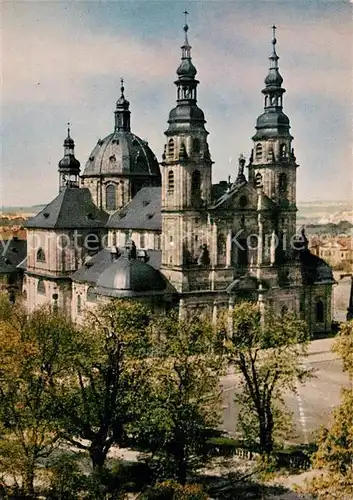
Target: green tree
{"type": "Point", "coordinates": [105, 380]}
{"type": "Point", "coordinates": [335, 443]}
{"type": "Point", "coordinates": [267, 355]}
{"type": "Point", "coordinates": [184, 399]}
{"type": "Point", "coordinates": [32, 349]}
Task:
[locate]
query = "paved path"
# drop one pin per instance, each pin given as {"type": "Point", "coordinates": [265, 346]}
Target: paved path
{"type": "Point", "coordinates": [315, 400]}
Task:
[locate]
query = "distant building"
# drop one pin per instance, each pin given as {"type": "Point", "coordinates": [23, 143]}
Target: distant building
{"type": "Point", "coordinates": [167, 236]}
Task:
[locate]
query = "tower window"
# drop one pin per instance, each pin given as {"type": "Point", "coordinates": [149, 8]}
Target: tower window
{"type": "Point", "coordinates": [171, 147]}
{"type": "Point", "coordinates": [196, 184]}
{"type": "Point", "coordinates": [110, 197]}
{"type": "Point", "coordinates": [319, 311]}
{"type": "Point", "coordinates": [282, 182]}
{"type": "Point", "coordinates": [258, 152]}
{"type": "Point", "coordinates": [283, 151]}
{"type": "Point", "coordinates": [41, 287]}
{"type": "Point", "coordinates": [41, 255]}
{"type": "Point", "coordinates": [196, 145]}
{"type": "Point", "coordinates": [170, 182]}
{"type": "Point", "coordinates": [258, 180]}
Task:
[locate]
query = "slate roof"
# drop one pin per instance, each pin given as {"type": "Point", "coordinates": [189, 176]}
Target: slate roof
{"type": "Point", "coordinates": [12, 252]}
{"type": "Point", "coordinates": [130, 277]}
{"type": "Point", "coordinates": [143, 211]}
{"type": "Point", "coordinates": [72, 208]}
{"type": "Point", "coordinates": [122, 153]}
{"type": "Point", "coordinates": [92, 269]}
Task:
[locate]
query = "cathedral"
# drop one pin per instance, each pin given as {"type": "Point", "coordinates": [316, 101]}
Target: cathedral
{"type": "Point", "coordinates": [129, 226]}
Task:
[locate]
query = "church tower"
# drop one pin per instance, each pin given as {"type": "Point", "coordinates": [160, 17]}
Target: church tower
{"type": "Point", "coordinates": [186, 182]}
{"type": "Point", "coordinates": [69, 166]}
{"type": "Point", "coordinates": [272, 164]}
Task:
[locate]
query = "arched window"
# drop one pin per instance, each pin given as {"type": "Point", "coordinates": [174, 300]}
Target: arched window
{"type": "Point", "coordinates": [91, 296]}
{"type": "Point", "coordinates": [283, 151]}
{"type": "Point", "coordinates": [171, 147]}
{"type": "Point", "coordinates": [258, 180]}
{"type": "Point", "coordinates": [41, 287]}
{"type": "Point", "coordinates": [196, 145]}
{"type": "Point", "coordinates": [196, 184]}
{"type": "Point", "coordinates": [79, 304]}
{"type": "Point", "coordinates": [142, 240]}
{"type": "Point", "coordinates": [40, 255]}
{"type": "Point", "coordinates": [110, 197]}
{"type": "Point", "coordinates": [319, 311]}
{"type": "Point", "coordinates": [258, 152]}
{"type": "Point", "coordinates": [170, 182]}
{"type": "Point", "coordinates": [282, 182]}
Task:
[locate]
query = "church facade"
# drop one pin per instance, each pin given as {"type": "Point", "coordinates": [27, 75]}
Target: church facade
{"type": "Point", "coordinates": [130, 227]}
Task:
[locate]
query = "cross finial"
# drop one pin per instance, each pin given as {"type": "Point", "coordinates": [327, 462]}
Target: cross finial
{"type": "Point", "coordinates": [68, 129]}
{"type": "Point", "coordinates": [186, 16]}
{"type": "Point", "coordinates": [274, 27]}
{"type": "Point", "coordinates": [122, 88]}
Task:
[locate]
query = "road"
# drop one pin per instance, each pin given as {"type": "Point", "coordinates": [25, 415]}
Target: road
{"type": "Point", "coordinates": [312, 405]}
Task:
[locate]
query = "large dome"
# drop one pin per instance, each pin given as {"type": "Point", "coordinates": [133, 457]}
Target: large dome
{"type": "Point", "coordinates": [122, 153]}
{"type": "Point", "coordinates": [130, 277]}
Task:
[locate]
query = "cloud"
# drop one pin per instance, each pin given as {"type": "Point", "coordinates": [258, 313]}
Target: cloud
{"type": "Point", "coordinates": [61, 61]}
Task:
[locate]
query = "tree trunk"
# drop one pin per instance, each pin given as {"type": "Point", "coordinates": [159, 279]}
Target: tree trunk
{"type": "Point", "coordinates": [266, 433]}
{"type": "Point", "coordinates": [97, 455]}
{"type": "Point", "coordinates": [181, 465]}
{"type": "Point", "coordinates": [28, 481]}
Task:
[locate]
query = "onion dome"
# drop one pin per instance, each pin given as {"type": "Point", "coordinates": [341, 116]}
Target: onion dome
{"type": "Point", "coordinates": [186, 115]}
{"type": "Point", "coordinates": [273, 122]}
{"type": "Point", "coordinates": [186, 68]}
{"type": "Point", "coordinates": [69, 163]}
{"type": "Point", "coordinates": [69, 166]}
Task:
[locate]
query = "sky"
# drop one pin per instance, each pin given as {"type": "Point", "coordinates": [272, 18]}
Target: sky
{"type": "Point", "coordinates": [62, 61]}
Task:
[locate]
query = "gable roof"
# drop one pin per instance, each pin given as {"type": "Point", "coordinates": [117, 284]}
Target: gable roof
{"type": "Point", "coordinates": [72, 208]}
{"type": "Point", "coordinates": [142, 212]}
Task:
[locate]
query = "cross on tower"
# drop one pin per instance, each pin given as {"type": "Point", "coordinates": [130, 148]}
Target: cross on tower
{"type": "Point", "coordinates": [186, 16]}
{"type": "Point", "coordinates": [274, 27]}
